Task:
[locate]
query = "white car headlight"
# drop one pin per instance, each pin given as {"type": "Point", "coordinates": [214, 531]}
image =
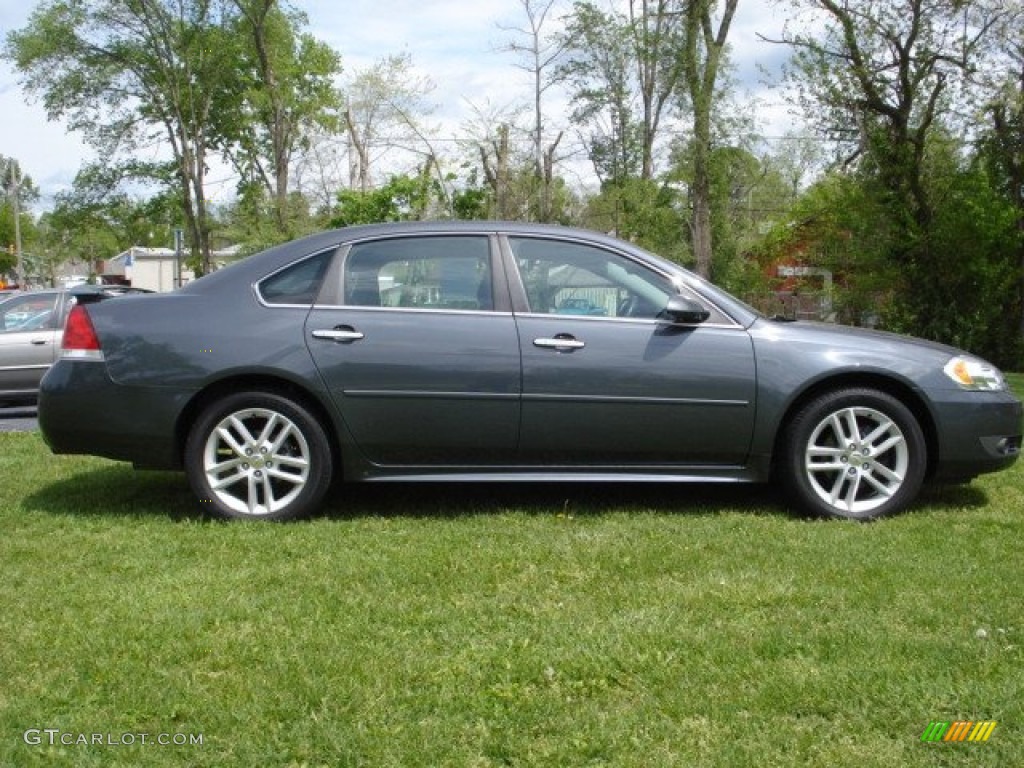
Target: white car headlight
{"type": "Point", "coordinates": [975, 375]}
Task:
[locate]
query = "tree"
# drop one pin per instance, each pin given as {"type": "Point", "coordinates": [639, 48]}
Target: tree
{"type": "Point", "coordinates": [702, 60]}
{"type": "Point", "coordinates": [623, 70]}
{"type": "Point", "coordinates": [494, 147]}
{"type": "Point", "coordinates": [540, 56]}
{"type": "Point", "coordinates": [251, 222]}
{"type": "Point", "coordinates": [19, 192]}
{"type": "Point", "coordinates": [1001, 84]}
{"type": "Point", "coordinates": [383, 105]}
{"type": "Point", "coordinates": [881, 80]}
{"type": "Point", "coordinates": [841, 225]}
{"type": "Point", "coordinates": [128, 74]}
{"type": "Point", "coordinates": [90, 207]}
{"type": "Point", "coordinates": [646, 212]}
{"type": "Point", "coordinates": [880, 77]}
{"type": "Point", "coordinates": [403, 198]}
{"type": "Point", "coordinates": [284, 92]}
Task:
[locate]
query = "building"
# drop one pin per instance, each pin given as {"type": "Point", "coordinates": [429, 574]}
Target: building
{"type": "Point", "coordinates": [154, 268]}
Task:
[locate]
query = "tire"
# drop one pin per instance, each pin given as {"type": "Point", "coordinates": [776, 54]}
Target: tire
{"type": "Point", "coordinates": [258, 455]}
{"type": "Point", "coordinates": [857, 454]}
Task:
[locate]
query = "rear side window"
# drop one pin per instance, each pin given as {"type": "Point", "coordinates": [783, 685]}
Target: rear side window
{"type": "Point", "coordinates": [435, 272]}
{"type": "Point", "coordinates": [297, 284]}
{"type": "Point", "coordinates": [31, 312]}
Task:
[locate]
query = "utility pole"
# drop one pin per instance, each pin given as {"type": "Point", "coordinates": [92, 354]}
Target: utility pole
{"type": "Point", "coordinates": [178, 248]}
{"type": "Point", "coordinates": [16, 183]}
{"type": "Point", "coordinates": [14, 193]}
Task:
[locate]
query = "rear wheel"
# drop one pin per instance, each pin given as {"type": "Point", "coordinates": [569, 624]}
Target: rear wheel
{"type": "Point", "coordinates": [258, 455]}
{"type": "Point", "coordinates": [853, 453]}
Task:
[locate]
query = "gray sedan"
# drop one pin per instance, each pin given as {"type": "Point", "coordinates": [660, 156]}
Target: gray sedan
{"type": "Point", "coordinates": [441, 352]}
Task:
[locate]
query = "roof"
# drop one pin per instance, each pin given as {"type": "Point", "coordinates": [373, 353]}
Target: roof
{"type": "Point", "coordinates": [144, 253]}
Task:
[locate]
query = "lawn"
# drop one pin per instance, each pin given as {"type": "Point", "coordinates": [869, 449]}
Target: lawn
{"type": "Point", "coordinates": [501, 626]}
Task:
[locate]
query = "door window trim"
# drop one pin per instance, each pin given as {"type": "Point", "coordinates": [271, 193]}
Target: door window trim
{"type": "Point", "coordinates": [521, 302]}
{"type": "Point", "coordinates": [333, 292]}
{"type": "Point", "coordinates": [257, 286]}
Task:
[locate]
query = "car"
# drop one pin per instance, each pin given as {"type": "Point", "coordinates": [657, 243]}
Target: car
{"type": "Point", "coordinates": [576, 306]}
{"type": "Point", "coordinates": [31, 327]}
{"type": "Point", "coordinates": [434, 351]}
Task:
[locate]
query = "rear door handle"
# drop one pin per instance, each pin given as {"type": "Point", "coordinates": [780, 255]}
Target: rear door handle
{"type": "Point", "coordinates": [38, 342]}
{"type": "Point", "coordinates": [563, 342]}
{"type": "Point", "coordinates": [342, 334]}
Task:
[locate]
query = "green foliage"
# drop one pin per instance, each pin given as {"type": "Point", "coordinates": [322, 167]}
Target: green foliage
{"type": "Point", "coordinates": [122, 73]}
{"type": "Point", "coordinates": [962, 288]}
{"type": "Point", "coordinates": [8, 260]}
{"type": "Point", "coordinates": [403, 198]}
{"type": "Point", "coordinates": [471, 202]}
{"type": "Point", "coordinates": [252, 222]}
{"type": "Point", "coordinates": [283, 92]}
{"type": "Point", "coordinates": [231, 75]}
{"type": "Point", "coordinates": [841, 226]}
{"type": "Point", "coordinates": [17, 193]}
{"type": "Point", "coordinates": [600, 67]}
{"type": "Point", "coordinates": [91, 208]}
{"type": "Point", "coordinates": [644, 212]}
{"type": "Point", "coordinates": [954, 282]}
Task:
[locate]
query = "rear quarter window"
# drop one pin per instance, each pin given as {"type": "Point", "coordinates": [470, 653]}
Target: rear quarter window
{"type": "Point", "coordinates": [296, 284]}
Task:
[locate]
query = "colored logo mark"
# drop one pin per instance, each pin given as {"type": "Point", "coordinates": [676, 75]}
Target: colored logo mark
{"type": "Point", "coordinates": [961, 730]}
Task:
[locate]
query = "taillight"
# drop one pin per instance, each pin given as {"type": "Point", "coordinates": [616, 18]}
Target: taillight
{"type": "Point", "coordinates": [80, 339]}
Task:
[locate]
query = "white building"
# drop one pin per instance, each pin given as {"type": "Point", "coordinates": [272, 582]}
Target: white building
{"type": "Point", "coordinates": [154, 268]}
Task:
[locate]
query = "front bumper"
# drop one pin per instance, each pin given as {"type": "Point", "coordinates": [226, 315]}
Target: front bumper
{"type": "Point", "coordinates": [82, 411]}
{"type": "Point", "coordinates": [977, 432]}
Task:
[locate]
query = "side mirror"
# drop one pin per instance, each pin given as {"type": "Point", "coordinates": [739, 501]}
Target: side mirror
{"type": "Point", "coordinates": [685, 312]}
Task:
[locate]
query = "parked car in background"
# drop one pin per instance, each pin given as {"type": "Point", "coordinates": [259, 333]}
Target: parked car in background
{"type": "Point", "coordinates": [437, 352]}
{"type": "Point", "coordinates": [31, 329]}
{"type": "Point", "coordinates": [576, 306]}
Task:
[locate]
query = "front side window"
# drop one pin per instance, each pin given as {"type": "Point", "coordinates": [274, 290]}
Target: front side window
{"type": "Point", "coordinates": [565, 278]}
{"type": "Point", "coordinates": [29, 313]}
{"type": "Point", "coordinates": [439, 273]}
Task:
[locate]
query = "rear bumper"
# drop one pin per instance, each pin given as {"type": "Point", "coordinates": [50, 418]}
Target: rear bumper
{"type": "Point", "coordinates": [978, 432]}
{"type": "Point", "coordinates": [82, 411]}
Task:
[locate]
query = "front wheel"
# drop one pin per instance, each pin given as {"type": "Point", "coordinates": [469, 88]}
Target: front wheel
{"type": "Point", "coordinates": [258, 455]}
{"type": "Point", "coordinates": [853, 453]}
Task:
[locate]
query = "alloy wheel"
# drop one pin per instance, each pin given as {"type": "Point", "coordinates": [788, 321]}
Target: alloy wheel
{"type": "Point", "coordinates": [256, 461]}
{"type": "Point", "coordinates": [856, 460]}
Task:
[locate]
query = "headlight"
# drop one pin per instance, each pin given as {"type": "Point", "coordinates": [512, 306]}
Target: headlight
{"type": "Point", "coordinates": [975, 375]}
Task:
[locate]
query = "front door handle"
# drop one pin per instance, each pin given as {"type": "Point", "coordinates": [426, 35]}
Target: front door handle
{"type": "Point", "coordinates": [563, 342]}
{"type": "Point", "coordinates": [342, 334]}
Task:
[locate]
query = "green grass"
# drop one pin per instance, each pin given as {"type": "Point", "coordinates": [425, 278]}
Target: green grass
{"type": "Point", "coordinates": [503, 626]}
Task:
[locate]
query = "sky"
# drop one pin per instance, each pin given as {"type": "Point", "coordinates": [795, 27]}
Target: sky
{"type": "Point", "coordinates": [456, 43]}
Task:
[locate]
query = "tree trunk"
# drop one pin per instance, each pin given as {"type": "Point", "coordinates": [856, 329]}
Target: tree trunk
{"type": "Point", "coordinates": [701, 226]}
{"type": "Point", "coordinates": [701, 74]}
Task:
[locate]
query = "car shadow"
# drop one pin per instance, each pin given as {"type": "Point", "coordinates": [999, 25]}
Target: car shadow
{"type": "Point", "coordinates": [117, 491]}
{"type": "Point", "coordinates": [120, 491]}
{"type": "Point", "coordinates": [951, 497]}
{"type": "Point", "coordinates": [453, 500]}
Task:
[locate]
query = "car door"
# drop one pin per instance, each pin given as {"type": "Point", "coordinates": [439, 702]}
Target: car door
{"type": "Point", "coordinates": [29, 336]}
{"type": "Point", "coordinates": [607, 380]}
{"type": "Point", "coordinates": [419, 349]}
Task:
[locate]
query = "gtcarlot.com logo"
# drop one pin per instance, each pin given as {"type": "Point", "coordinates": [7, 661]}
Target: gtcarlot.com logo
{"type": "Point", "coordinates": [53, 737]}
